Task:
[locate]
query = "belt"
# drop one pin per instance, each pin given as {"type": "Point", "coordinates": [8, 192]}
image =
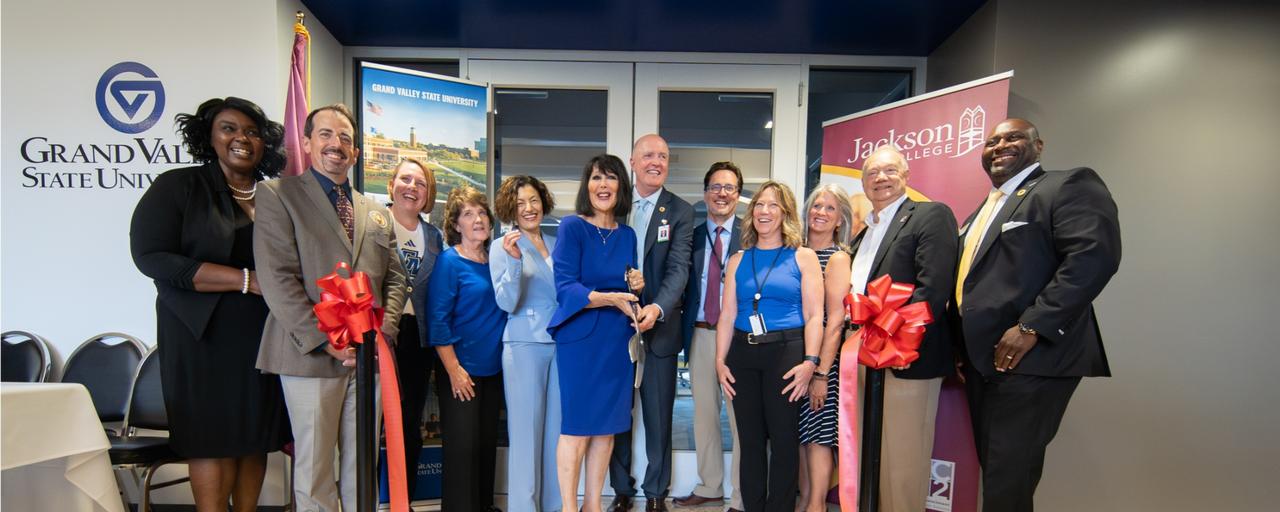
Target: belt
{"type": "Point", "coordinates": [769, 337]}
{"type": "Point", "coordinates": [704, 325]}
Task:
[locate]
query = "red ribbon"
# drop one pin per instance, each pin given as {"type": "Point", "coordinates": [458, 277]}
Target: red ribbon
{"type": "Point", "coordinates": [890, 336]}
{"type": "Point", "coordinates": [345, 313]}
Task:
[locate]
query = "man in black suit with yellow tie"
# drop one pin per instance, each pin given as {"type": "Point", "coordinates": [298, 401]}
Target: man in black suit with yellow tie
{"type": "Point", "coordinates": [1034, 257]}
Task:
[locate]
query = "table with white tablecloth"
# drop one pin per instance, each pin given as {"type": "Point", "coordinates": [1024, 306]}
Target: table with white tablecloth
{"type": "Point", "coordinates": [54, 450]}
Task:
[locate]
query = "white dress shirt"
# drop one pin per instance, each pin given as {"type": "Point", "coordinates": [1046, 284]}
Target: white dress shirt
{"type": "Point", "coordinates": [871, 240]}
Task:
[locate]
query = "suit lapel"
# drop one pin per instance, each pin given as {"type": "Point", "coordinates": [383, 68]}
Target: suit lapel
{"type": "Point", "coordinates": [895, 226]}
{"type": "Point", "coordinates": [361, 212]}
{"type": "Point", "coordinates": [700, 234]}
{"type": "Point", "coordinates": [328, 214]}
{"type": "Point", "coordinates": [656, 218]}
{"type": "Point", "coordinates": [1006, 212]}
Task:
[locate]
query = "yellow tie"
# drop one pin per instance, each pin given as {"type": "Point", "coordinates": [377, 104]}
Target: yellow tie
{"type": "Point", "coordinates": [976, 229]}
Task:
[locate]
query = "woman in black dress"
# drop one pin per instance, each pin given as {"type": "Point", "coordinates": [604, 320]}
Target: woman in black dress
{"type": "Point", "coordinates": [192, 232]}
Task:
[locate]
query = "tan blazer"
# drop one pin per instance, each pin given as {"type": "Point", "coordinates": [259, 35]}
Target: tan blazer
{"type": "Point", "coordinates": [297, 239]}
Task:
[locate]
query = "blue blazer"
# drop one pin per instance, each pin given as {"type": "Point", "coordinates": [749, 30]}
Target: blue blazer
{"type": "Point", "coordinates": [525, 289]}
{"type": "Point", "coordinates": [433, 239]}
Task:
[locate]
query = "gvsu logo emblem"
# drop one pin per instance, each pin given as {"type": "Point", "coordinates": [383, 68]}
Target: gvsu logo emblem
{"type": "Point", "coordinates": [130, 97]}
{"type": "Point", "coordinates": [941, 486]}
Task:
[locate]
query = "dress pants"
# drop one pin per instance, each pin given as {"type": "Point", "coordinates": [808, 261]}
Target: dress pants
{"type": "Point", "coordinates": [414, 364]}
{"type": "Point", "coordinates": [707, 436]}
{"type": "Point", "coordinates": [532, 385]}
{"type": "Point", "coordinates": [469, 442]}
{"type": "Point", "coordinates": [767, 423]}
{"type": "Point", "coordinates": [322, 412]}
{"type": "Point", "coordinates": [1014, 419]}
{"type": "Point", "coordinates": [906, 447]}
{"type": "Point", "coordinates": [657, 398]}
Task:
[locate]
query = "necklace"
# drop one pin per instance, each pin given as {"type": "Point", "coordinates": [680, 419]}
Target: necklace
{"type": "Point", "coordinates": [243, 195]}
{"type": "Point", "coordinates": [604, 239]}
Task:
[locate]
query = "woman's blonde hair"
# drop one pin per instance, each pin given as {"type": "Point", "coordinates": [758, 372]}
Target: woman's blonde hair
{"type": "Point", "coordinates": [426, 173]}
{"type": "Point", "coordinates": [792, 234]}
{"type": "Point", "coordinates": [843, 234]}
{"type": "Point", "coordinates": [459, 197]}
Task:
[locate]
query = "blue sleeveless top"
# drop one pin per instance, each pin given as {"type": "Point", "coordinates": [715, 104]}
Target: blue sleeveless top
{"type": "Point", "coordinates": [780, 301]}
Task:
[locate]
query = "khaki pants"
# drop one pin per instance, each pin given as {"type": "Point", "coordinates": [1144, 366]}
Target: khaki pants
{"type": "Point", "coordinates": [707, 436]}
{"type": "Point", "coordinates": [906, 447]}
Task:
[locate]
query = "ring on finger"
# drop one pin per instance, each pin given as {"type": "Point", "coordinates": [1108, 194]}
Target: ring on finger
{"type": "Point", "coordinates": [1010, 356]}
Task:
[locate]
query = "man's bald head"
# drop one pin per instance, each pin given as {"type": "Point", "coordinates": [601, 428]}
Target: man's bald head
{"type": "Point", "coordinates": [1013, 145]}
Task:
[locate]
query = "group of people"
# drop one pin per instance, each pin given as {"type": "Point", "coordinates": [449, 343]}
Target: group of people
{"type": "Point", "coordinates": [553, 327]}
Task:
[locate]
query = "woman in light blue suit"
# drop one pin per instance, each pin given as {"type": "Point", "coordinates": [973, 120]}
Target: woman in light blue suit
{"type": "Point", "coordinates": [525, 287]}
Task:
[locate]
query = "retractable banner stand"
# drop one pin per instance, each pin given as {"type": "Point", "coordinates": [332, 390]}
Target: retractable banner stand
{"type": "Point", "coordinates": [941, 134]}
{"type": "Point", "coordinates": [443, 123]}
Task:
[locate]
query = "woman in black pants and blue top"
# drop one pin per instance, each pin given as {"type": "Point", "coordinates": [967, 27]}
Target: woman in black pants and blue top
{"type": "Point", "coordinates": [767, 352]}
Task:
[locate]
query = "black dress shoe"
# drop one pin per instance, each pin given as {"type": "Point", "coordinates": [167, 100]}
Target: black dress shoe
{"type": "Point", "coordinates": [734, 510]}
{"type": "Point", "coordinates": [655, 505]}
{"type": "Point", "coordinates": [620, 504]}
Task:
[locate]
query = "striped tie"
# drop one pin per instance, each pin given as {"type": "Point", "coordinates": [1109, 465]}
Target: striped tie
{"type": "Point", "coordinates": [976, 229]}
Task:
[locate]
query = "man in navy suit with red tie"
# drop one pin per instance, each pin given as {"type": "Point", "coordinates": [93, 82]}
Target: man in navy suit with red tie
{"type": "Point", "coordinates": [1033, 258]}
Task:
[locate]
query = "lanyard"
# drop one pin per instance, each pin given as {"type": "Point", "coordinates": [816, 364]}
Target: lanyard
{"type": "Point", "coordinates": [724, 258]}
{"type": "Point", "coordinates": [755, 303]}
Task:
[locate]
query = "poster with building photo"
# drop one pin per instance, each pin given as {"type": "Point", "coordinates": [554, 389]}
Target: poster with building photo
{"type": "Point", "coordinates": [439, 120]}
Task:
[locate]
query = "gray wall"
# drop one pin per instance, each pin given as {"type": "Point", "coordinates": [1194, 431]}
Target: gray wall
{"type": "Point", "coordinates": [1176, 107]}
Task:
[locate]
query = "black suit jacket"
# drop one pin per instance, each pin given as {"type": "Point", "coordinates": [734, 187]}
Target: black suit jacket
{"type": "Point", "coordinates": [693, 290]}
{"type": "Point", "coordinates": [666, 270]}
{"type": "Point", "coordinates": [185, 218]}
{"type": "Point", "coordinates": [920, 248]}
{"type": "Point", "coordinates": [1047, 254]}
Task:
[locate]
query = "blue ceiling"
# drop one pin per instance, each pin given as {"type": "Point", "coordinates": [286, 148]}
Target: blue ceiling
{"type": "Point", "coordinates": [850, 27]}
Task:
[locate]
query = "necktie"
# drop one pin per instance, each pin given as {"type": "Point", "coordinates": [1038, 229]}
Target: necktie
{"type": "Point", "coordinates": [711, 303]}
{"type": "Point", "coordinates": [346, 214]}
{"type": "Point", "coordinates": [976, 229]}
{"type": "Point", "coordinates": [640, 222]}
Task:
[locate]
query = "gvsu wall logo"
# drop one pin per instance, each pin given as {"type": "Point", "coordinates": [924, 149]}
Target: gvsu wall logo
{"type": "Point", "coordinates": [941, 486]}
{"type": "Point", "coordinates": [130, 97]}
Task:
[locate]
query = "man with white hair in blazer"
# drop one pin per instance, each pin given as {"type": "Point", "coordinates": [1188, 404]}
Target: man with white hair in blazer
{"type": "Point", "coordinates": [305, 225]}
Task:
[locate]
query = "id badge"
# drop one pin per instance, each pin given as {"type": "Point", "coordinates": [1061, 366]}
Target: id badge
{"type": "Point", "coordinates": [757, 324]}
{"type": "Point", "coordinates": [664, 233]}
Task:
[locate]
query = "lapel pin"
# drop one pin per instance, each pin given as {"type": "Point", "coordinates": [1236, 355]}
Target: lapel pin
{"type": "Point", "coordinates": [1022, 192]}
{"type": "Point", "coordinates": [662, 209]}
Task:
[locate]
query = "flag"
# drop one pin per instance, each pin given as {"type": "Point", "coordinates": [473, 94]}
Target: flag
{"type": "Point", "coordinates": [297, 101]}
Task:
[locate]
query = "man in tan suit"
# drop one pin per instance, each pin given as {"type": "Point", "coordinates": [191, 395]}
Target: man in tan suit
{"type": "Point", "coordinates": [305, 225]}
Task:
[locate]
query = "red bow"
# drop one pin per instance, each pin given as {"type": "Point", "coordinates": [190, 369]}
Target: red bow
{"type": "Point", "coordinates": [345, 313]}
{"type": "Point", "coordinates": [891, 332]}
{"type": "Point", "coordinates": [346, 309]}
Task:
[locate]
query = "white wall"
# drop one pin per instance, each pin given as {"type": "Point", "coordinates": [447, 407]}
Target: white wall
{"type": "Point", "coordinates": [65, 268]}
{"type": "Point", "coordinates": [1175, 105]}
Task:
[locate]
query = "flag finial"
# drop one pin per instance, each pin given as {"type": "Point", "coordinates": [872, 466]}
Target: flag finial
{"type": "Point", "coordinates": [300, 17]}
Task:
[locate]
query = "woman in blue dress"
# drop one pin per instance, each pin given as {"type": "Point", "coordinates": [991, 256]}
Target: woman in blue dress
{"type": "Point", "coordinates": [593, 322]}
{"type": "Point", "coordinates": [520, 266]}
{"type": "Point", "coordinates": [767, 351]}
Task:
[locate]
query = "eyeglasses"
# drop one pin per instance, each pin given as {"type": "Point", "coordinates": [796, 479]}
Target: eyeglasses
{"type": "Point", "coordinates": [718, 188]}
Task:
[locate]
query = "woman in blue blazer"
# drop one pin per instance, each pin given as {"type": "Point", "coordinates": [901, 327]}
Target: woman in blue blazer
{"type": "Point", "coordinates": [524, 284]}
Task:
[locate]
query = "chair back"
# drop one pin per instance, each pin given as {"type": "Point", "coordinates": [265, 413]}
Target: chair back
{"type": "Point", "coordinates": [146, 400]}
{"type": "Point", "coordinates": [107, 370]}
{"type": "Point", "coordinates": [25, 357]}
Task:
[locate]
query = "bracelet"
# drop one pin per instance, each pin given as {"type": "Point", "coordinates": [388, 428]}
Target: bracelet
{"type": "Point", "coordinates": [813, 359]}
{"type": "Point", "coordinates": [819, 375]}
{"type": "Point", "coordinates": [244, 289]}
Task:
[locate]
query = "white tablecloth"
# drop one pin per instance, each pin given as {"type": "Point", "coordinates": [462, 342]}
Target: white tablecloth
{"type": "Point", "coordinates": [54, 451]}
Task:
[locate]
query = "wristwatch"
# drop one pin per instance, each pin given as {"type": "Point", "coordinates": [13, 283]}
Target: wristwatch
{"type": "Point", "coordinates": [813, 359]}
{"type": "Point", "coordinates": [1026, 329]}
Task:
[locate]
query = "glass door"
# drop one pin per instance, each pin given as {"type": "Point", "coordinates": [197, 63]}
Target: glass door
{"type": "Point", "coordinates": [550, 118]}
